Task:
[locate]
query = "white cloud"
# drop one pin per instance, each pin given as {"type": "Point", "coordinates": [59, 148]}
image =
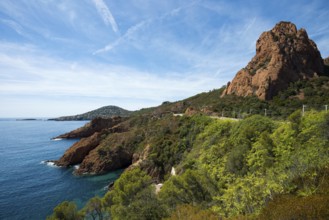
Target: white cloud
{"type": "Point", "coordinates": [28, 71]}
{"type": "Point", "coordinates": [106, 14]}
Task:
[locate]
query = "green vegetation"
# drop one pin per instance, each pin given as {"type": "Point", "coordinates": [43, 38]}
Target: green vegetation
{"type": "Point", "coordinates": [313, 93]}
{"type": "Point", "coordinates": [65, 211]}
{"type": "Point", "coordinates": [253, 168]}
{"type": "Point", "coordinates": [105, 112]}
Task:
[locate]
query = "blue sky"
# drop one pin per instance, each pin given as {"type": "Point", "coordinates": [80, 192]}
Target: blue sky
{"type": "Point", "coordinates": [63, 57]}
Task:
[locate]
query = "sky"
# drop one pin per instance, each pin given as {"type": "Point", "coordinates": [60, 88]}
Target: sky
{"type": "Point", "coordinates": [65, 57]}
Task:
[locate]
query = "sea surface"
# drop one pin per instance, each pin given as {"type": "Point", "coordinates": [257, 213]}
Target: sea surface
{"type": "Point", "coordinates": [31, 188]}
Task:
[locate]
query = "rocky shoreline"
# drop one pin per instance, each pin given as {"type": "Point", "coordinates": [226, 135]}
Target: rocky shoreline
{"type": "Point", "coordinates": [91, 136]}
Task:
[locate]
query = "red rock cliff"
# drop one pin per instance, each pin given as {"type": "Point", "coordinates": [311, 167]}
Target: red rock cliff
{"type": "Point", "coordinates": [283, 55]}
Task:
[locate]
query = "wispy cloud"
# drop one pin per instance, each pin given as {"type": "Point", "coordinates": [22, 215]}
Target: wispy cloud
{"type": "Point", "coordinates": [32, 73]}
{"type": "Point", "coordinates": [129, 33]}
{"type": "Point", "coordinates": [142, 24]}
{"type": "Point", "coordinates": [14, 25]}
{"type": "Point", "coordinates": [106, 14]}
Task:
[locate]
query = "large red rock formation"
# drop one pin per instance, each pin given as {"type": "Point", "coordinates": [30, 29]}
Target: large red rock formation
{"type": "Point", "coordinates": [283, 55]}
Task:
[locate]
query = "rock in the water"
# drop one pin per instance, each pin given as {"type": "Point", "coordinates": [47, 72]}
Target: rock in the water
{"type": "Point", "coordinates": [283, 55]}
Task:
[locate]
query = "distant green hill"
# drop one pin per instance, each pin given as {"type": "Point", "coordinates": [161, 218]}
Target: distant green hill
{"type": "Point", "coordinates": [104, 112]}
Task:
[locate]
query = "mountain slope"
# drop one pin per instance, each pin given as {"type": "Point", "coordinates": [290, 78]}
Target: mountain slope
{"type": "Point", "coordinates": [104, 112]}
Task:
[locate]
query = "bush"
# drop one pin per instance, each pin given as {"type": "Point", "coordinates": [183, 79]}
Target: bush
{"type": "Point", "coordinates": [294, 207]}
{"type": "Point", "coordinates": [65, 211]}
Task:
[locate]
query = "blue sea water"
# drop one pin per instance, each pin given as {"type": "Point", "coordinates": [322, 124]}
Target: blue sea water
{"type": "Point", "coordinates": [30, 188]}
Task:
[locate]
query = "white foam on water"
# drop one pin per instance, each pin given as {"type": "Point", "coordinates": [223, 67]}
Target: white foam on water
{"type": "Point", "coordinates": [49, 163]}
{"type": "Point", "coordinates": [57, 139]}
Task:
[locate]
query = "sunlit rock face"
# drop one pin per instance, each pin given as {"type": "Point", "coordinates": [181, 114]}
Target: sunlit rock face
{"type": "Point", "coordinates": [283, 55]}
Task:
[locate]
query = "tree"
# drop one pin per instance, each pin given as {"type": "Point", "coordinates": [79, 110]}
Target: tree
{"type": "Point", "coordinates": [65, 211]}
{"type": "Point", "coordinates": [145, 206]}
{"type": "Point", "coordinates": [260, 157]}
{"type": "Point", "coordinates": [94, 209]}
{"type": "Point", "coordinates": [192, 187]}
{"type": "Point", "coordinates": [133, 197]}
{"type": "Point", "coordinates": [243, 135]}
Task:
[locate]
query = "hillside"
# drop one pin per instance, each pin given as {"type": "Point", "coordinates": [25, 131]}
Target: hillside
{"type": "Point", "coordinates": [224, 167]}
{"type": "Point", "coordinates": [184, 158]}
{"type": "Point", "coordinates": [103, 112]}
{"type": "Point", "coordinates": [311, 92]}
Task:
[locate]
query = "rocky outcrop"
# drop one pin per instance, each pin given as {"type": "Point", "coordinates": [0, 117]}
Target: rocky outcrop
{"type": "Point", "coordinates": [96, 125]}
{"type": "Point", "coordinates": [92, 135]}
{"type": "Point", "coordinates": [114, 152]}
{"type": "Point", "coordinates": [117, 158]}
{"type": "Point", "coordinates": [110, 146]}
{"type": "Point", "coordinates": [77, 153]}
{"type": "Point", "coordinates": [283, 55]}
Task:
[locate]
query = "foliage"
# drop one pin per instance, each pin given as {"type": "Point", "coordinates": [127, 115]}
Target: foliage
{"type": "Point", "coordinates": [251, 161]}
{"type": "Point", "coordinates": [132, 197]}
{"type": "Point", "coordinates": [235, 168]}
{"type": "Point", "coordinates": [189, 212]}
{"type": "Point", "coordinates": [145, 206]}
{"type": "Point", "coordinates": [94, 209]}
{"type": "Point", "coordinates": [192, 187]}
{"type": "Point", "coordinates": [65, 211]}
{"type": "Point", "coordinates": [171, 140]}
{"type": "Point", "coordinates": [295, 207]}
{"type": "Point", "coordinates": [243, 135]}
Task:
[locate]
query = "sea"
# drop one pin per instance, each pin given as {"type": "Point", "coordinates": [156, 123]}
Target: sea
{"type": "Point", "coordinates": [30, 187]}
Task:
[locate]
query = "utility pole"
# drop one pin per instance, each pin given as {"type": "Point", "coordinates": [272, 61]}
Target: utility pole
{"type": "Point", "coordinates": [265, 112]}
{"type": "Point", "coordinates": [250, 110]}
{"type": "Point", "coordinates": [326, 107]}
{"type": "Point", "coordinates": [304, 109]}
{"type": "Point", "coordinates": [222, 113]}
